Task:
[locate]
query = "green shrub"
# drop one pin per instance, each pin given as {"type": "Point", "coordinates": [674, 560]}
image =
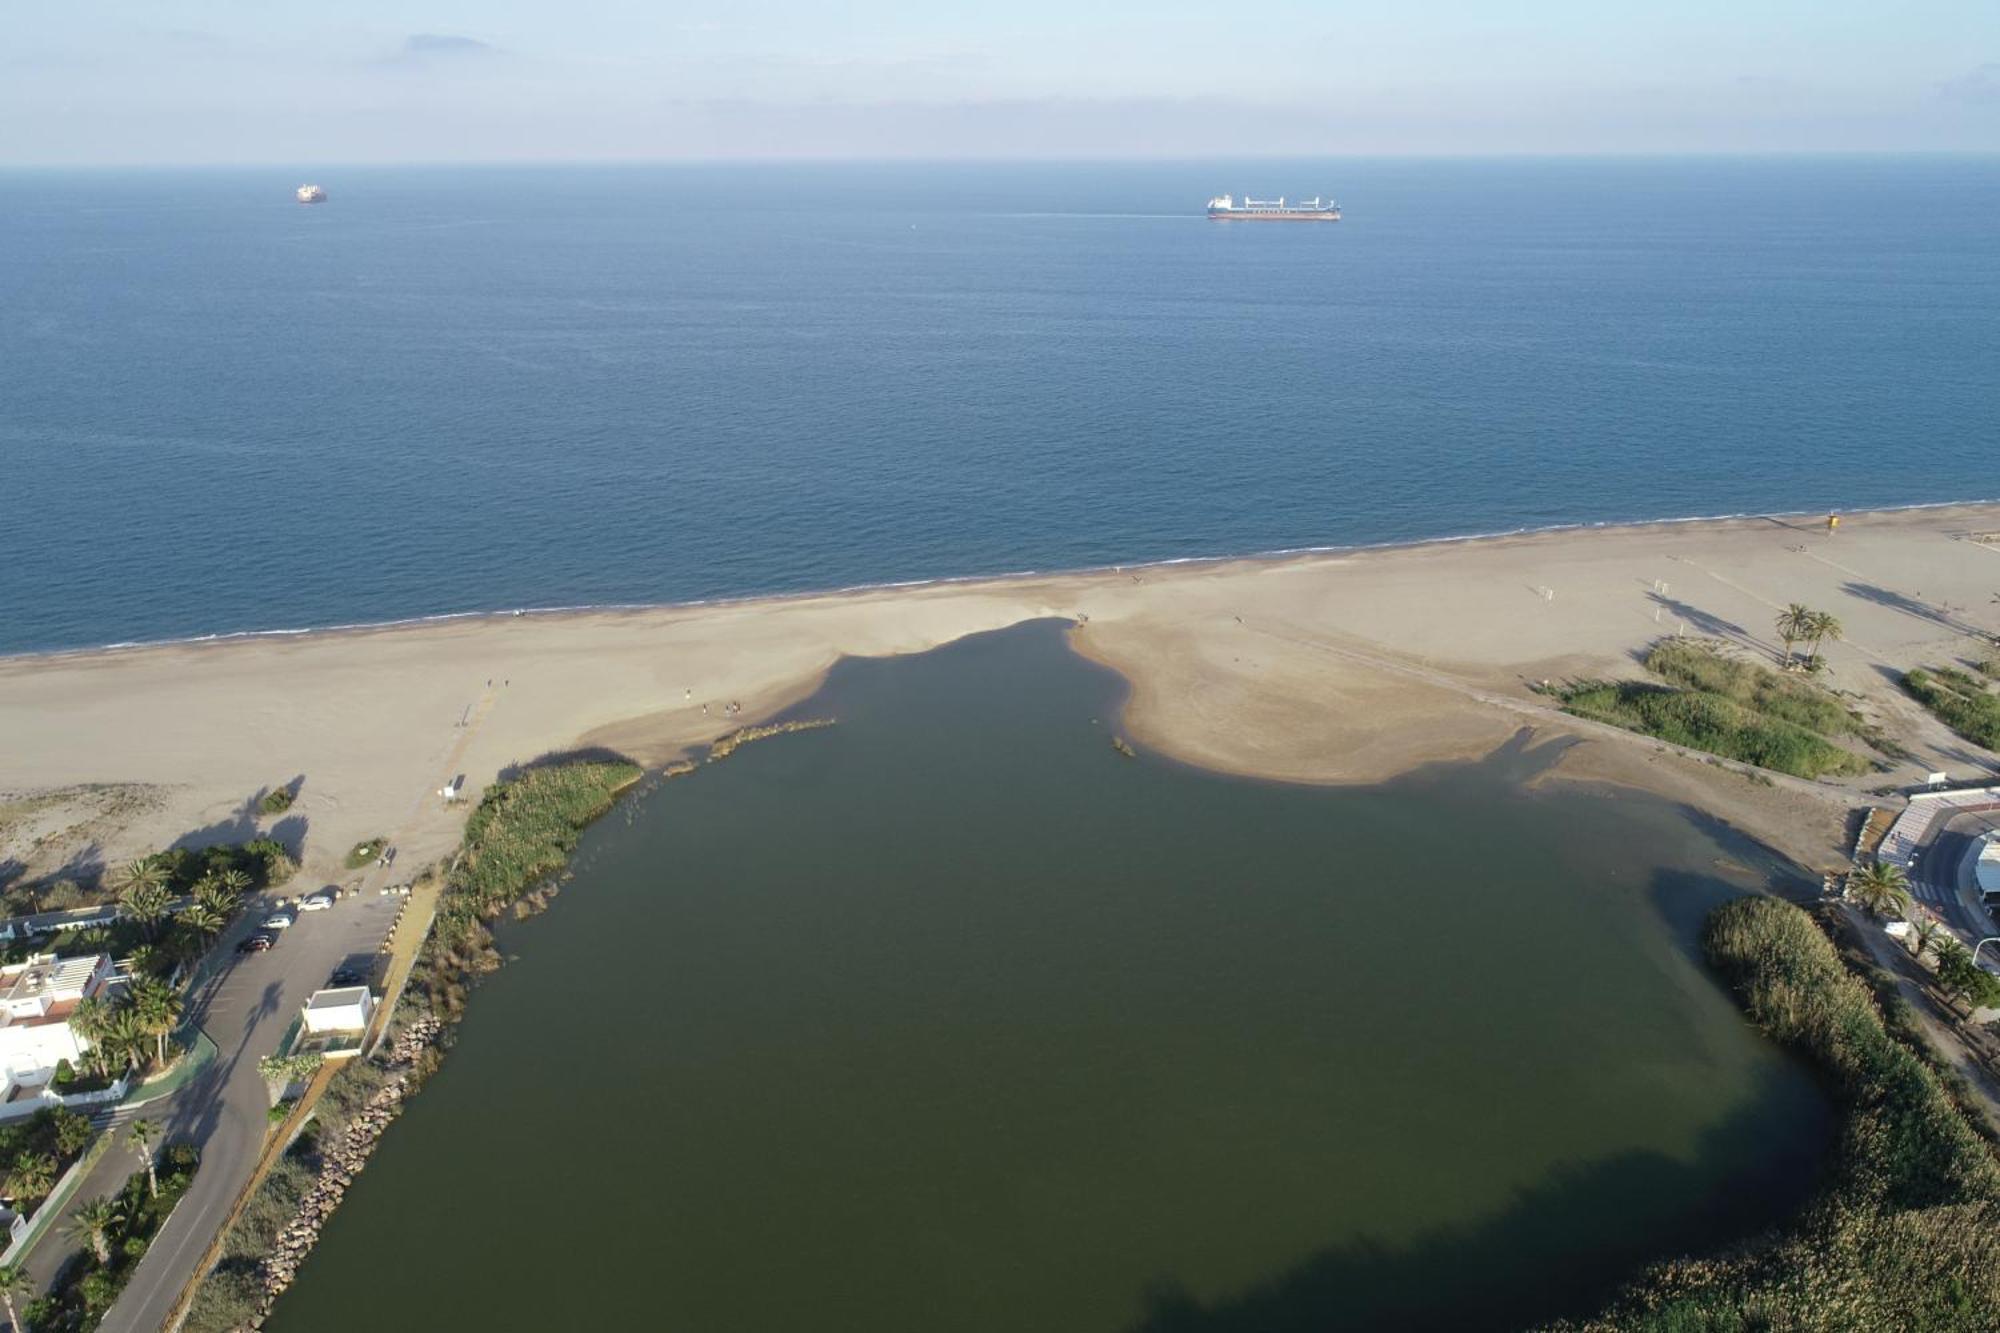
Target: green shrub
{"type": "Point", "coordinates": [1715, 724]}
{"type": "Point", "coordinates": [264, 860]}
{"type": "Point", "coordinates": [524, 830]}
{"type": "Point", "coordinates": [1700, 666]}
{"type": "Point", "coordinates": [364, 853]}
{"type": "Point", "coordinates": [1960, 702]}
{"type": "Point", "coordinates": [276, 801]}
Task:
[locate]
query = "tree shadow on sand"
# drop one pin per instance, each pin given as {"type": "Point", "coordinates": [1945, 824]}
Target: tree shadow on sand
{"type": "Point", "coordinates": [1705, 623]}
{"type": "Point", "coordinates": [1940, 616]}
{"type": "Point", "coordinates": [245, 824]}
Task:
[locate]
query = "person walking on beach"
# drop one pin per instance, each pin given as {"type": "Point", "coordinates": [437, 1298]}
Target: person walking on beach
{"type": "Point", "coordinates": [1832, 522]}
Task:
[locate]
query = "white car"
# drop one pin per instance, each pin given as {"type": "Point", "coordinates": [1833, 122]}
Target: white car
{"type": "Point", "coordinates": [278, 920]}
{"type": "Point", "coordinates": [316, 902]}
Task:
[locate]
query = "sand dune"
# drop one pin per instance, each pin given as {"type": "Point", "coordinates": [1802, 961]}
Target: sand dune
{"type": "Point", "coordinates": [1326, 668]}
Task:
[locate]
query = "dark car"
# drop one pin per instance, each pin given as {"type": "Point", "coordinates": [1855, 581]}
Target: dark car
{"type": "Point", "coordinates": [347, 976]}
{"type": "Point", "coordinates": [257, 943]}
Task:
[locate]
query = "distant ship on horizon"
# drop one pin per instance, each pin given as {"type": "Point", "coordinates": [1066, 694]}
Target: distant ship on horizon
{"type": "Point", "coordinates": [311, 194]}
{"type": "Point", "coordinates": [1225, 208]}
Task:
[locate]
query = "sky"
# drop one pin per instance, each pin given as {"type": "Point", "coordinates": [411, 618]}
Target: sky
{"type": "Point", "coordinates": [131, 82]}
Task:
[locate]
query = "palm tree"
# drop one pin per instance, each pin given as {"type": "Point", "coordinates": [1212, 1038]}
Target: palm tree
{"type": "Point", "coordinates": [34, 1176]}
{"type": "Point", "coordinates": [89, 1018]}
{"type": "Point", "coordinates": [1792, 625]}
{"type": "Point", "coordinates": [14, 1281]}
{"type": "Point", "coordinates": [125, 1037]}
{"type": "Point", "coordinates": [235, 881]}
{"type": "Point", "coordinates": [158, 1009]}
{"type": "Point", "coordinates": [212, 893]}
{"type": "Point", "coordinates": [144, 873]}
{"type": "Point", "coordinates": [148, 904]}
{"type": "Point", "coordinates": [1880, 887]}
{"type": "Point", "coordinates": [144, 960]}
{"type": "Point", "coordinates": [1822, 626]}
{"type": "Point", "coordinates": [144, 1136]}
{"type": "Point", "coordinates": [202, 919]}
{"type": "Point", "coordinates": [93, 1222]}
{"type": "Point", "coordinates": [1924, 932]}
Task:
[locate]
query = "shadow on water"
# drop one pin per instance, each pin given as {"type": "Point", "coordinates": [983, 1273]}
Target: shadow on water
{"type": "Point", "coordinates": [1467, 1279]}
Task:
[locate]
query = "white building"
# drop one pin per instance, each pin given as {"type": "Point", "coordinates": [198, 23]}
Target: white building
{"type": "Point", "coordinates": [36, 999]}
{"type": "Point", "coordinates": [1986, 871]}
{"type": "Point", "coordinates": [345, 1010]}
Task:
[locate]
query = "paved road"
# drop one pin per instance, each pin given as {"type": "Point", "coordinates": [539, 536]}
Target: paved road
{"type": "Point", "coordinates": [245, 1008]}
{"type": "Point", "coordinates": [1939, 879]}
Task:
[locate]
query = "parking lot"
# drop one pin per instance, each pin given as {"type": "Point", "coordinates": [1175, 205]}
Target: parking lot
{"type": "Point", "coordinates": [245, 1007]}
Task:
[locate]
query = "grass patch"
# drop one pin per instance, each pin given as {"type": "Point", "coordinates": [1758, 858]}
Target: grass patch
{"type": "Point", "coordinates": [1729, 708]}
{"type": "Point", "coordinates": [1906, 1232]}
{"type": "Point", "coordinates": [1960, 702]}
{"type": "Point", "coordinates": [85, 1288]}
{"type": "Point", "coordinates": [364, 853]}
{"type": "Point", "coordinates": [1698, 666]}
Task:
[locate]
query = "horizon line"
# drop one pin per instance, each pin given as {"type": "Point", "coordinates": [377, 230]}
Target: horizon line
{"type": "Point", "coordinates": [1010, 159]}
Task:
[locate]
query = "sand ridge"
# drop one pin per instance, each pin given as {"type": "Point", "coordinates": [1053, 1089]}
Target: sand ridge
{"type": "Point", "coordinates": [1333, 667]}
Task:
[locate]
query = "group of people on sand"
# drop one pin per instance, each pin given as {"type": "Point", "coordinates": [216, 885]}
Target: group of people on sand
{"type": "Point", "coordinates": [729, 709]}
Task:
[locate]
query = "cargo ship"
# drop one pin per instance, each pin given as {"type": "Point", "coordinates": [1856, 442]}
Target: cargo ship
{"type": "Point", "coordinates": [311, 194]}
{"type": "Point", "coordinates": [1226, 208]}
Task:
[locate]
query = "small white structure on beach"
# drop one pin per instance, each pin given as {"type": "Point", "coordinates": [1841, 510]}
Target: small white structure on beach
{"type": "Point", "coordinates": [347, 1009]}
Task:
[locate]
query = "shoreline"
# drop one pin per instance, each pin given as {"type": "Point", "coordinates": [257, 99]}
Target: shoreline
{"type": "Point", "coordinates": [1348, 665]}
{"type": "Point", "coordinates": [961, 580]}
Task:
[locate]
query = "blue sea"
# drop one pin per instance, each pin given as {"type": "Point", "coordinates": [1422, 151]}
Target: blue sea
{"type": "Point", "coordinates": [460, 389]}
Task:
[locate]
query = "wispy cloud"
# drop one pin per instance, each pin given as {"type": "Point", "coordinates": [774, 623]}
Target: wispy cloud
{"type": "Point", "coordinates": [1980, 85]}
{"type": "Point", "coordinates": [420, 44]}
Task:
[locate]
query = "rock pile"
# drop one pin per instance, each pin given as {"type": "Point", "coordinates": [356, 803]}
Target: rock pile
{"type": "Point", "coordinates": [341, 1161]}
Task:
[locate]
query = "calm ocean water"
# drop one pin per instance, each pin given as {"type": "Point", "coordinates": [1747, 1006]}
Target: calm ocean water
{"type": "Point", "coordinates": [464, 389]}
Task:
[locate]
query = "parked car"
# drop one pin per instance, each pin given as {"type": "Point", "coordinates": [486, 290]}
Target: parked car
{"type": "Point", "coordinates": [257, 943]}
{"type": "Point", "coordinates": [319, 902]}
{"type": "Point", "coordinates": [347, 976]}
{"type": "Point", "coordinates": [278, 920]}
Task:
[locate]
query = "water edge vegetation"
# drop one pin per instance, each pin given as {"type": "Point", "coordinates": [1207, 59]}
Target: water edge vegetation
{"type": "Point", "coordinates": [1906, 1230]}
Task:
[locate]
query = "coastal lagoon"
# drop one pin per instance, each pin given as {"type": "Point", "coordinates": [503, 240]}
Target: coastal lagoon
{"type": "Point", "coordinates": [950, 1016]}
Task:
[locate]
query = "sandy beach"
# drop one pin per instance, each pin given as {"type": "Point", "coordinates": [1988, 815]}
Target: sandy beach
{"type": "Point", "coordinates": [1338, 667]}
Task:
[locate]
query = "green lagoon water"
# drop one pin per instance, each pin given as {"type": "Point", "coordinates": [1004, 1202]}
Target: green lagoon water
{"type": "Point", "coordinates": [951, 1018]}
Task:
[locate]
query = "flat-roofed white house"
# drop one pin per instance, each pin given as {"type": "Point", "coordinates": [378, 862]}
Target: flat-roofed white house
{"type": "Point", "coordinates": [347, 1009]}
{"type": "Point", "coordinates": [36, 1000]}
